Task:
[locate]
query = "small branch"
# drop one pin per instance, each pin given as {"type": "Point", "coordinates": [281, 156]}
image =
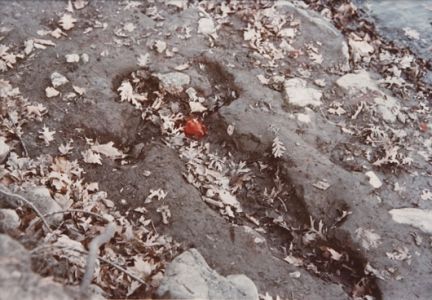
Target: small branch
{"type": "Point", "coordinates": [112, 264]}
{"type": "Point", "coordinates": [8, 193]}
{"type": "Point", "coordinates": [19, 136]}
{"type": "Point", "coordinates": [77, 211]}
{"type": "Point", "coordinates": [94, 246]}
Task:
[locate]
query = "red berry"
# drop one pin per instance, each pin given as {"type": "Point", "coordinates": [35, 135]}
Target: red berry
{"type": "Point", "coordinates": [195, 128]}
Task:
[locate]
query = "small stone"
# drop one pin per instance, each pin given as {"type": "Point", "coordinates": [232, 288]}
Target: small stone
{"type": "Point", "coordinates": [51, 92]}
{"type": "Point", "coordinates": [72, 58]}
{"type": "Point", "coordinates": [296, 93]}
{"type": "Point", "coordinates": [374, 181]}
{"type": "Point", "coordinates": [173, 82]}
{"type": "Point", "coordinates": [206, 26]}
{"type": "Point", "coordinates": [58, 79]}
{"type": "Point", "coordinates": [9, 220]}
{"type": "Point", "coordinates": [85, 58]}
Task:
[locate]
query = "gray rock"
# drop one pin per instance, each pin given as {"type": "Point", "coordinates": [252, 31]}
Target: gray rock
{"type": "Point", "coordinates": [307, 165]}
{"type": "Point", "coordinates": [40, 196]}
{"type": "Point", "coordinates": [17, 281]}
{"type": "Point", "coordinates": [9, 220]}
{"type": "Point", "coordinates": [315, 28]}
{"type": "Point", "coordinates": [173, 82]}
{"type": "Point", "coordinates": [189, 277]}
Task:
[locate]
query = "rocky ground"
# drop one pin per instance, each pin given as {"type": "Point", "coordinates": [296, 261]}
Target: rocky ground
{"type": "Point", "coordinates": [162, 148]}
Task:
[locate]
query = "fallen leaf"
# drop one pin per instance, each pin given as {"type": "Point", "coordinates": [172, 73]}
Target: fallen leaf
{"type": "Point", "coordinates": [143, 60]}
{"type": "Point", "coordinates": [91, 157]}
{"type": "Point", "coordinates": [108, 150]}
{"type": "Point", "coordinates": [196, 107]}
{"type": "Point", "coordinates": [65, 148]}
{"type": "Point", "coordinates": [46, 135]}
{"type": "Point", "coordinates": [159, 46]}
{"type": "Point", "coordinates": [67, 21]}
{"type": "Point", "coordinates": [278, 148]}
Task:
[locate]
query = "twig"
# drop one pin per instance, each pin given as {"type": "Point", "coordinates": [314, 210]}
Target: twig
{"type": "Point", "coordinates": [112, 264]}
{"type": "Point", "coordinates": [19, 136]}
{"type": "Point", "coordinates": [78, 211]}
{"type": "Point", "coordinates": [8, 193]}
{"type": "Point", "coordinates": [94, 246]}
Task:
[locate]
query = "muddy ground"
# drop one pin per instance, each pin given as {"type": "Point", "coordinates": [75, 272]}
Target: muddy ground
{"type": "Point", "coordinates": [307, 221]}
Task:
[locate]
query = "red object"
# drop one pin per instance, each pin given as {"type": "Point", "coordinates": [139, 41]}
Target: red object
{"type": "Point", "coordinates": [423, 127]}
{"type": "Point", "coordinates": [195, 128]}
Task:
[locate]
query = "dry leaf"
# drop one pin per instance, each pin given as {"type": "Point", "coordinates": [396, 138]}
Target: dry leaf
{"type": "Point", "coordinates": [127, 94]}
{"type": "Point", "coordinates": [67, 21]}
{"type": "Point", "coordinates": [160, 46]}
{"type": "Point", "coordinates": [143, 60]}
{"type": "Point", "coordinates": [91, 157]}
{"type": "Point", "coordinates": [7, 60]}
{"type": "Point", "coordinates": [278, 148]}
{"type": "Point", "coordinates": [108, 150]}
{"type": "Point", "coordinates": [197, 107]}
{"type": "Point", "coordinates": [65, 148]}
{"type": "Point", "coordinates": [46, 135]}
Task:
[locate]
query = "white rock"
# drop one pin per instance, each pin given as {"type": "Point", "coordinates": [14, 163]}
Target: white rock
{"type": "Point", "coordinates": [355, 83]}
{"type": "Point", "coordinates": [72, 58]}
{"type": "Point", "coordinates": [58, 79]}
{"type": "Point", "coordinates": [374, 181]}
{"type": "Point", "coordinates": [51, 92]}
{"type": "Point", "coordinates": [4, 149]}
{"type": "Point", "coordinates": [159, 46]}
{"type": "Point", "coordinates": [297, 93]}
{"type": "Point", "coordinates": [419, 218]}
{"type": "Point", "coordinates": [85, 58]}
{"type": "Point", "coordinates": [9, 220]}
{"type": "Point", "coordinates": [206, 26]}
{"type": "Point", "coordinates": [173, 82]}
{"type": "Point", "coordinates": [304, 118]}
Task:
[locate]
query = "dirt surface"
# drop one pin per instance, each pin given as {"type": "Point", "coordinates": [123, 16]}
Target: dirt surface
{"type": "Point", "coordinates": [298, 197]}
